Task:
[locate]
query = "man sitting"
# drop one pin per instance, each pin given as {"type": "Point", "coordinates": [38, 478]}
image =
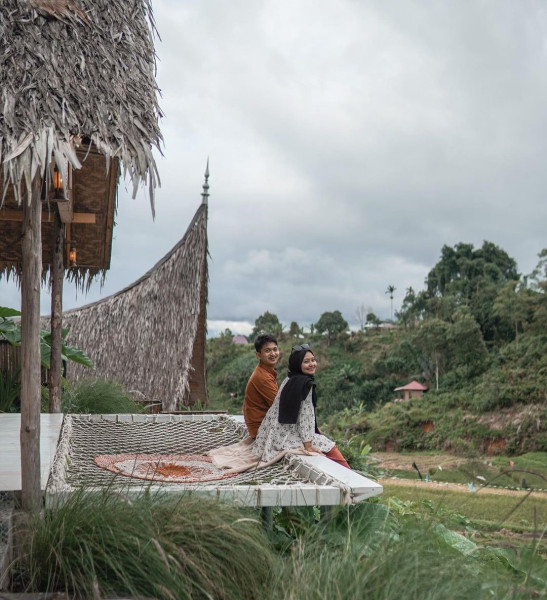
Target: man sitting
{"type": "Point", "coordinates": [261, 388]}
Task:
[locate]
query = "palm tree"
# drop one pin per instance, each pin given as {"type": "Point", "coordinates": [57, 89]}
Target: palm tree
{"type": "Point", "coordinates": [390, 290]}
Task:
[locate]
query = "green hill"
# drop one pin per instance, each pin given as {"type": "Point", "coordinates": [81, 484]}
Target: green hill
{"type": "Point", "coordinates": [503, 409]}
{"type": "Point", "coordinates": [476, 336]}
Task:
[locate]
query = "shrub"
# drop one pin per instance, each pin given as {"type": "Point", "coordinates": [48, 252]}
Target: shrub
{"type": "Point", "coordinates": [233, 378]}
{"type": "Point", "coordinates": [379, 553]}
{"type": "Point", "coordinates": [98, 396]}
{"type": "Point", "coordinates": [10, 390]}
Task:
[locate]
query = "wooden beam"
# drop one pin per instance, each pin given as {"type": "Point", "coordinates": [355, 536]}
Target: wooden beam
{"type": "Point", "coordinates": [48, 216]}
{"type": "Point", "coordinates": [31, 279]}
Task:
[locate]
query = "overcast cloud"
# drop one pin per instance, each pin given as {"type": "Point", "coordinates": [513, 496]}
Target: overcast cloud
{"type": "Point", "coordinates": [349, 140]}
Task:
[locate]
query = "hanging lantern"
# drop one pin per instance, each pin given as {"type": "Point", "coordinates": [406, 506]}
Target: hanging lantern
{"type": "Point", "coordinates": [58, 186]}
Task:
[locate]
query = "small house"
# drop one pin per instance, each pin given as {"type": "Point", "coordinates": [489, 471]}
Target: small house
{"type": "Point", "coordinates": [414, 389]}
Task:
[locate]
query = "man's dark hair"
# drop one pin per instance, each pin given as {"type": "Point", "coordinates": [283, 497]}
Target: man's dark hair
{"type": "Point", "coordinates": [264, 338]}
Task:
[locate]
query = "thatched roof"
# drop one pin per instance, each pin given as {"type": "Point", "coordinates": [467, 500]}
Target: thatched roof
{"type": "Point", "coordinates": [151, 335]}
{"type": "Point", "coordinates": [77, 75]}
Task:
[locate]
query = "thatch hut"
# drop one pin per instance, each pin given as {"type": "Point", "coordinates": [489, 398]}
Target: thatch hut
{"type": "Point", "coordinates": [150, 336]}
{"type": "Point", "coordinates": [77, 76]}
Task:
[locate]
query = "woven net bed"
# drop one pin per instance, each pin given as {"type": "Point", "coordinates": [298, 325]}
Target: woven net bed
{"type": "Point", "coordinates": [168, 452]}
{"type": "Point", "coordinates": [128, 450]}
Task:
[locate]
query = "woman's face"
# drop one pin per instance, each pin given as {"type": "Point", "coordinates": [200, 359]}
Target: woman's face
{"type": "Point", "coordinates": [309, 364]}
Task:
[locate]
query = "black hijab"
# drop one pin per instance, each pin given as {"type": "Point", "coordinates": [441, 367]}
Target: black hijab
{"type": "Point", "coordinates": [296, 389]}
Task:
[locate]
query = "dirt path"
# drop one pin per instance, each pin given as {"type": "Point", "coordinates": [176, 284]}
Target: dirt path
{"type": "Point", "coordinates": [457, 487]}
{"type": "Point", "coordinates": [403, 462]}
{"type": "Point", "coordinates": [395, 460]}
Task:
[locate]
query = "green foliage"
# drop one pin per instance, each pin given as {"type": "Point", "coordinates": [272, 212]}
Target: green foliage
{"type": "Point", "coordinates": [373, 319]}
{"type": "Point", "coordinates": [479, 509]}
{"type": "Point", "coordinates": [11, 331]}
{"type": "Point", "coordinates": [233, 378]}
{"type": "Point", "coordinates": [333, 323]}
{"type": "Point", "coordinates": [10, 390]}
{"type": "Point", "coordinates": [476, 337]}
{"type": "Point", "coordinates": [267, 323]}
{"type": "Point", "coordinates": [97, 396]}
{"type": "Point", "coordinates": [465, 276]}
{"type": "Point", "coordinates": [295, 330]}
{"type": "Point", "coordinates": [107, 545]}
{"type": "Point", "coordinates": [356, 451]}
{"type": "Point", "coordinates": [67, 352]}
{"type": "Point", "coordinates": [384, 553]}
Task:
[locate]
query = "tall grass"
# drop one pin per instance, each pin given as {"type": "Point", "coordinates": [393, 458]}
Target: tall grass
{"type": "Point", "coordinates": [101, 545]}
{"type": "Point", "coordinates": [369, 552]}
{"type": "Point", "coordinates": [98, 396]}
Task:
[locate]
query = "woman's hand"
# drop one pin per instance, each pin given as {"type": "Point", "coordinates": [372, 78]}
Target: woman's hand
{"type": "Point", "coordinates": [309, 448]}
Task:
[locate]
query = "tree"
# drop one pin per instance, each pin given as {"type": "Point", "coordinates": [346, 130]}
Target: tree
{"type": "Point", "coordinates": [414, 307]}
{"type": "Point", "coordinates": [465, 276]}
{"type": "Point", "coordinates": [295, 330]}
{"type": "Point", "coordinates": [539, 285]}
{"type": "Point", "coordinates": [267, 323]}
{"type": "Point", "coordinates": [539, 274]}
{"type": "Point", "coordinates": [431, 340]}
{"type": "Point", "coordinates": [333, 323]}
{"type": "Point", "coordinates": [515, 305]}
{"type": "Point", "coordinates": [373, 319]}
{"type": "Point", "coordinates": [390, 290]}
{"type": "Point", "coordinates": [467, 348]}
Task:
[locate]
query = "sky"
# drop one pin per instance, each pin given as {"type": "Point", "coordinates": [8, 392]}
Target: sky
{"type": "Point", "coordinates": [348, 141]}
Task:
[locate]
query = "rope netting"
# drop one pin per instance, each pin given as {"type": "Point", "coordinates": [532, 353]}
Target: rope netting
{"type": "Point", "coordinates": [94, 452]}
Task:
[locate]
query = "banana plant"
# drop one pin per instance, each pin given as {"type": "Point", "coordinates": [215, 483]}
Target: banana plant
{"type": "Point", "coordinates": [10, 331]}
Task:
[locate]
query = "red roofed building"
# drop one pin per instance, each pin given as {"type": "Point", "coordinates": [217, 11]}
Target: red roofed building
{"type": "Point", "coordinates": [410, 390]}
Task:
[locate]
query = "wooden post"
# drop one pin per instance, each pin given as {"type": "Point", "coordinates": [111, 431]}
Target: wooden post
{"type": "Point", "coordinates": [57, 276]}
{"type": "Point", "coordinates": [30, 350]}
{"type": "Point", "coordinates": [267, 517]}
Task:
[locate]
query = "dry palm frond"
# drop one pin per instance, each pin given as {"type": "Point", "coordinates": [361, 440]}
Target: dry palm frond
{"type": "Point", "coordinates": [151, 335]}
{"type": "Point", "coordinates": [74, 69]}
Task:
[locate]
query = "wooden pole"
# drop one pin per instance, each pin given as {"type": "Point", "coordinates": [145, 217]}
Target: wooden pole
{"type": "Point", "coordinates": [57, 276]}
{"type": "Point", "coordinates": [30, 350]}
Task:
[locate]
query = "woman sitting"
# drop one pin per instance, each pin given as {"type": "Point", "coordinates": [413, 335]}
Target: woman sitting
{"type": "Point", "coordinates": [291, 421]}
{"type": "Point", "coordinates": [290, 425]}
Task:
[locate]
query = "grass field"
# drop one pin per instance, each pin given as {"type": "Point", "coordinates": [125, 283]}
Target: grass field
{"type": "Point", "coordinates": [516, 510]}
{"type": "Point", "coordinates": [518, 472]}
{"type": "Point", "coordinates": [515, 519]}
{"type": "Point", "coordinates": [495, 513]}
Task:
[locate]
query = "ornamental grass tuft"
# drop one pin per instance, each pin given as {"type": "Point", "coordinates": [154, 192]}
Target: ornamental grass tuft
{"type": "Point", "coordinates": [104, 544]}
{"type": "Point", "coordinates": [99, 396]}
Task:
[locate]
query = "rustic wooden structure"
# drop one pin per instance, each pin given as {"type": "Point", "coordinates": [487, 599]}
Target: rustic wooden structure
{"type": "Point", "coordinates": [76, 76]}
{"type": "Point", "coordinates": [76, 236]}
{"type": "Point", "coordinates": [151, 335]}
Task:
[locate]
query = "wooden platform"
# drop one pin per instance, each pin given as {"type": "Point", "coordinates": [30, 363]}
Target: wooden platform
{"type": "Point", "coordinates": [10, 448]}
